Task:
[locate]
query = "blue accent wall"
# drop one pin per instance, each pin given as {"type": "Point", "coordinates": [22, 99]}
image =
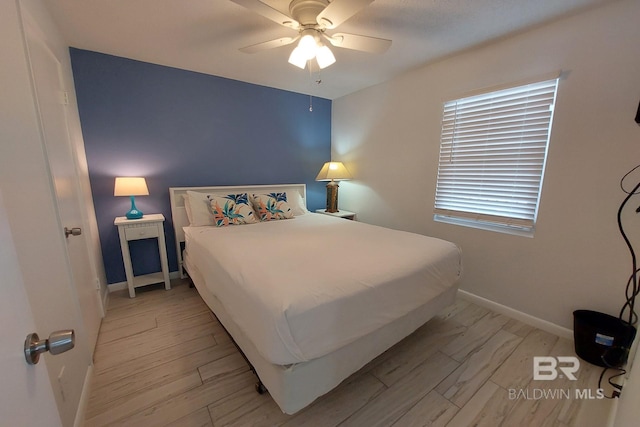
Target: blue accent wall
{"type": "Point", "coordinates": [182, 128]}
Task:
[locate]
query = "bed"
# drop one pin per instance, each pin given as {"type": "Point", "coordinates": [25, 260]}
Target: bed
{"type": "Point", "coordinates": [311, 299]}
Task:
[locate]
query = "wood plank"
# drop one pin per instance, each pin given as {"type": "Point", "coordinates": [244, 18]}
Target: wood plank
{"type": "Point", "coordinates": [340, 403]}
{"type": "Point", "coordinates": [109, 373]}
{"type": "Point", "coordinates": [392, 403]}
{"type": "Point", "coordinates": [194, 399]}
{"type": "Point", "coordinates": [258, 410]}
{"type": "Point", "coordinates": [465, 381]}
{"type": "Point", "coordinates": [142, 324]}
{"type": "Point", "coordinates": [517, 370]}
{"type": "Point", "coordinates": [231, 364]}
{"type": "Point", "coordinates": [140, 401]}
{"type": "Point", "coordinates": [476, 335]}
{"type": "Point", "coordinates": [111, 322]}
{"type": "Point", "coordinates": [113, 393]}
{"type": "Point", "coordinates": [529, 409]}
{"type": "Point", "coordinates": [586, 408]}
{"type": "Point", "coordinates": [233, 409]}
{"type": "Point", "coordinates": [199, 418]}
{"type": "Point", "coordinates": [433, 410]}
{"type": "Point", "coordinates": [188, 308]}
{"type": "Point", "coordinates": [518, 328]}
{"type": "Point", "coordinates": [487, 408]}
{"type": "Point", "coordinates": [453, 309]}
{"type": "Point", "coordinates": [153, 302]}
{"type": "Point", "coordinates": [408, 354]}
{"type": "Point", "coordinates": [148, 295]}
{"type": "Point", "coordinates": [470, 314]}
{"type": "Point", "coordinates": [155, 340]}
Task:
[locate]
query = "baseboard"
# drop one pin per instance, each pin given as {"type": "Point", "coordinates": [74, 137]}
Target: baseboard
{"type": "Point", "coordinates": [84, 398]}
{"type": "Point", "coordinates": [105, 301]}
{"type": "Point", "coordinates": [117, 286]}
{"type": "Point", "coordinates": [552, 328]}
{"type": "Point", "coordinates": [113, 287]}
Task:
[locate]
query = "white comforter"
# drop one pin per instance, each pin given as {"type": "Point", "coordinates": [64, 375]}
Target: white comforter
{"type": "Point", "coordinates": [304, 287]}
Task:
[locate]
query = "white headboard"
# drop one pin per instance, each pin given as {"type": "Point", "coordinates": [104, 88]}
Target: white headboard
{"type": "Point", "coordinates": [179, 213]}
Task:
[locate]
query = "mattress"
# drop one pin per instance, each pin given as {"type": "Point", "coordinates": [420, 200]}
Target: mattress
{"type": "Point", "coordinates": [302, 288]}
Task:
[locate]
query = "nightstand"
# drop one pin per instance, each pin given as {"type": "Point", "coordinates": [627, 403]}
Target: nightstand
{"type": "Point", "coordinates": [340, 214]}
{"type": "Point", "coordinates": [147, 227]}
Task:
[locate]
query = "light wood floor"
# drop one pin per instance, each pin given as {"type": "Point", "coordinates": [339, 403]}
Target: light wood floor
{"type": "Point", "coordinates": [163, 359]}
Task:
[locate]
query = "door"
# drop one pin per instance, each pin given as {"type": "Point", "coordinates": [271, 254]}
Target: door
{"type": "Point", "coordinates": [27, 398]}
{"type": "Point", "coordinates": [52, 107]}
{"type": "Point", "coordinates": [35, 262]}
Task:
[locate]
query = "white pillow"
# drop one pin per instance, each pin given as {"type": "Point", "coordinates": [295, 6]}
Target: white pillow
{"type": "Point", "coordinates": [187, 207]}
{"type": "Point", "coordinates": [200, 212]}
{"type": "Point", "coordinates": [296, 202]}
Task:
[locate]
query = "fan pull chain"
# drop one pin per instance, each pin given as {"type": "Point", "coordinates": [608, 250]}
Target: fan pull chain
{"type": "Point", "coordinates": [310, 96]}
{"type": "Point", "coordinates": [318, 81]}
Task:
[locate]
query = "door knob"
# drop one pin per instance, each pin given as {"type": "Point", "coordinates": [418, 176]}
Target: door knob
{"type": "Point", "coordinates": [75, 231]}
{"type": "Point", "coordinates": [58, 342]}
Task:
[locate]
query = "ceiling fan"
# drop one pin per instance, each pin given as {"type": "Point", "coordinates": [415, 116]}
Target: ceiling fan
{"type": "Point", "coordinates": [312, 18]}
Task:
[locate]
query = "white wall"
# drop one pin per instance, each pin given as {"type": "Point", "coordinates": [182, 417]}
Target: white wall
{"type": "Point", "coordinates": [388, 136]}
{"type": "Point", "coordinates": [627, 410]}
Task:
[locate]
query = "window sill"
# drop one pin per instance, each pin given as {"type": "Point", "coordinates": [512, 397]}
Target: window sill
{"type": "Point", "coordinates": [485, 225]}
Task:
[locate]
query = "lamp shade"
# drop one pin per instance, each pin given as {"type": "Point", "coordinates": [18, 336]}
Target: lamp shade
{"type": "Point", "coordinates": [324, 56]}
{"type": "Point", "coordinates": [130, 186]}
{"type": "Point", "coordinates": [310, 46]}
{"type": "Point", "coordinates": [307, 45]}
{"type": "Point", "coordinates": [333, 171]}
{"type": "Point", "coordinates": [298, 58]}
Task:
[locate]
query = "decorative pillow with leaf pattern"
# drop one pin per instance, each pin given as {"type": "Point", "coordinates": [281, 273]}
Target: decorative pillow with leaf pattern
{"type": "Point", "coordinates": [272, 206]}
{"type": "Point", "coordinates": [232, 209]}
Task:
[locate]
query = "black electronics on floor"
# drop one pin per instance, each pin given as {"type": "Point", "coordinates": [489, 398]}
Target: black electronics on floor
{"type": "Point", "coordinates": [638, 115]}
{"type": "Point", "coordinates": [602, 339]}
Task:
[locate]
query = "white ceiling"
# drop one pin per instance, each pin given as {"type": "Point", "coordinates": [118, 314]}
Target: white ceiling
{"type": "Point", "coordinates": [204, 36]}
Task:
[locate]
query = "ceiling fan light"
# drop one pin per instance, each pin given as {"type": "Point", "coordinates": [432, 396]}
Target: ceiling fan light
{"type": "Point", "coordinates": [308, 46]}
{"type": "Point", "coordinates": [298, 58]}
{"type": "Point", "coordinates": [325, 57]}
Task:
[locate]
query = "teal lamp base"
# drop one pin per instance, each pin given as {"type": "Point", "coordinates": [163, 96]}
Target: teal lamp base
{"type": "Point", "coordinates": [134, 213]}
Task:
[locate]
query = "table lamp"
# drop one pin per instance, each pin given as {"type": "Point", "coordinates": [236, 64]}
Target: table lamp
{"type": "Point", "coordinates": [131, 186]}
{"type": "Point", "coordinates": [332, 172]}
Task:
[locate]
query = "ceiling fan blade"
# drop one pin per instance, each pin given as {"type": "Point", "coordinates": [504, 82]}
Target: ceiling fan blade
{"type": "Point", "coordinates": [339, 11]}
{"type": "Point", "coordinates": [269, 12]}
{"type": "Point", "coordinates": [271, 44]}
{"type": "Point", "coordinates": [363, 43]}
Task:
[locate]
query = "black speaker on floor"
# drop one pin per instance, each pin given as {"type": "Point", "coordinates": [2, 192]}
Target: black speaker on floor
{"type": "Point", "coordinates": [638, 115]}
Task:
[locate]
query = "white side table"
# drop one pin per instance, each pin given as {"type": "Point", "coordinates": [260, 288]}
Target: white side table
{"type": "Point", "coordinates": [340, 214]}
{"type": "Point", "coordinates": [147, 227]}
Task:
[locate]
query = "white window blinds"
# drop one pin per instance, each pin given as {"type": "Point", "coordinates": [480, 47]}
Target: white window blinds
{"type": "Point", "coordinates": [492, 155]}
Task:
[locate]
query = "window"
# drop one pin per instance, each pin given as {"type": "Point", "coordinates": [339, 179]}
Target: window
{"type": "Point", "coordinates": [492, 155]}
